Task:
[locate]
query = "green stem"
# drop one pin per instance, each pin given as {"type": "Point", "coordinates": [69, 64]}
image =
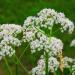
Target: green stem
{"type": "Point", "coordinates": [46, 63]}
{"type": "Point", "coordinates": [17, 69]}
{"type": "Point", "coordinates": [23, 52]}
{"type": "Point", "coordinates": [38, 29]}
{"type": "Point", "coordinates": [8, 66]}
{"type": "Point", "coordinates": [56, 31]}
{"type": "Point", "coordinates": [26, 71]}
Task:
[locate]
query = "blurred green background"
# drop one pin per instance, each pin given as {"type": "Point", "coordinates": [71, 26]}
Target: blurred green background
{"type": "Point", "coordinates": [16, 11]}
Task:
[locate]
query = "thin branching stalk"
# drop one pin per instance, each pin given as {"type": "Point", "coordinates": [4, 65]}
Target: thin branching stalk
{"type": "Point", "coordinates": [8, 67]}
{"type": "Point", "coordinates": [17, 68]}
{"type": "Point", "coordinates": [46, 58]}
{"type": "Point", "coordinates": [23, 52]}
{"type": "Point", "coordinates": [17, 71]}
{"type": "Point", "coordinates": [46, 63]}
{"type": "Point", "coordinates": [26, 71]}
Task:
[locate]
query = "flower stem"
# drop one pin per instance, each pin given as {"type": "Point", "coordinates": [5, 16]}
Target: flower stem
{"type": "Point", "coordinates": [26, 71]}
{"type": "Point", "coordinates": [61, 62]}
{"type": "Point", "coordinates": [8, 66]}
{"type": "Point", "coordinates": [17, 69]}
{"type": "Point", "coordinates": [23, 52]}
{"type": "Point", "coordinates": [46, 63]}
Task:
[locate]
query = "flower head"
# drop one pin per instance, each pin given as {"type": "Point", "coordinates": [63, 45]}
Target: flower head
{"type": "Point", "coordinates": [9, 39]}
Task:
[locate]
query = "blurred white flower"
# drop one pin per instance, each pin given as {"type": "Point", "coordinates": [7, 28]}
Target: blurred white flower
{"type": "Point", "coordinates": [72, 42]}
{"type": "Point", "coordinates": [73, 67]}
{"type": "Point", "coordinates": [67, 62]}
{"type": "Point", "coordinates": [53, 64]}
{"type": "Point", "coordinates": [73, 73]}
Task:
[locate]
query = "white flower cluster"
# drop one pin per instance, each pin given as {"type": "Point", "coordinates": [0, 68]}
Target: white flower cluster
{"type": "Point", "coordinates": [39, 41]}
{"type": "Point", "coordinates": [56, 45]}
{"type": "Point", "coordinates": [34, 33]}
{"type": "Point", "coordinates": [45, 18]}
{"type": "Point", "coordinates": [49, 17]}
{"type": "Point", "coordinates": [53, 64]}
{"type": "Point", "coordinates": [67, 62]}
{"type": "Point", "coordinates": [40, 68]}
{"type": "Point", "coordinates": [30, 21]}
{"type": "Point", "coordinates": [29, 33]}
{"type": "Point", "coordinates": [10, 29]}
{"type": "Point", "coordinates": [47, 44]}
{"type": "Point", "coordinates": [9, 39]}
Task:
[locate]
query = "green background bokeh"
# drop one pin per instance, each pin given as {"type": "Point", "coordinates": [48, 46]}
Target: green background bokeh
{"type": "Point", "coordinates": [15, 11]}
